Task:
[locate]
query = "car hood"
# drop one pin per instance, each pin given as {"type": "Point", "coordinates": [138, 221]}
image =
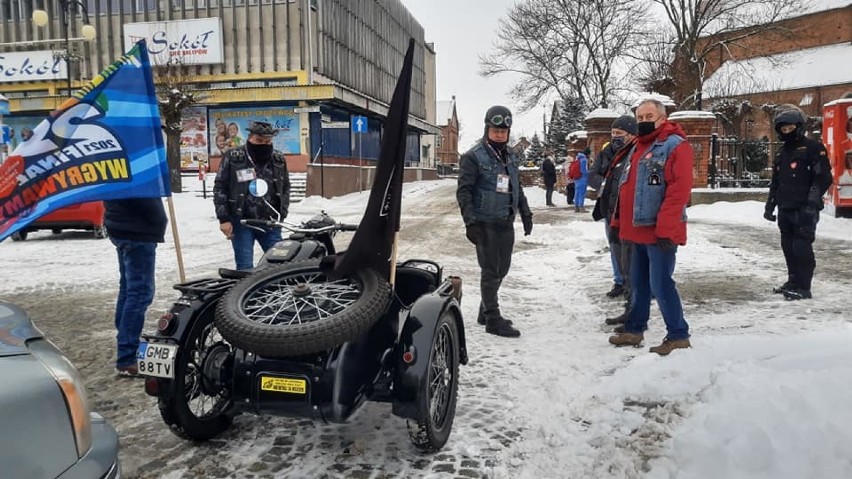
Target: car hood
{"type": "Point", "coordinates": [16, 329]}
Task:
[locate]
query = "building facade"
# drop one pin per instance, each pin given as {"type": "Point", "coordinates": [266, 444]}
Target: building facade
{"type": "Point", "coordinates": [323, 71]}
{"type": "Point", "coordinates": [448, 139]}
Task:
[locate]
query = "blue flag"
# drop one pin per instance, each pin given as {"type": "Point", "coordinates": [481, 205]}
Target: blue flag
{"type": "Point", "coordinates": [103, 143]}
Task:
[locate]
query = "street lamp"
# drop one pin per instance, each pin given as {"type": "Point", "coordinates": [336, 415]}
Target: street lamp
{"type": "Point", "coordinates": [41, 18]}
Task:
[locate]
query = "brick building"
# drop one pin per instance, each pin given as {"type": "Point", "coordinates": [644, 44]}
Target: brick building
{"type": "Point", "coordinates": [803, 61]}
{"type": "Point", "coordinates": [448, 141]}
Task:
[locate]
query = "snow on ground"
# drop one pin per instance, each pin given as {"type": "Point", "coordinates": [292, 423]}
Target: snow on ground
{"type": "Point", "coordinates": [763, 393]}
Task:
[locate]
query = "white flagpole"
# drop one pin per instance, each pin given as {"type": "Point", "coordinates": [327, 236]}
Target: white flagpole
{"type": "Point", "coordinates": [176, 237]}
{"type": "Point", "coordinates": [393, 259]}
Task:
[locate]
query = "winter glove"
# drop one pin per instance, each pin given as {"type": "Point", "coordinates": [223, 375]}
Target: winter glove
{"type": "Point", "coordinates": [769, 213]}
{"type": "Point", "coordinates": [528, 224]}
{"type": "Point", "coordinates": [666, 244]}
{"type": "Point", "coordinates": [473, 233]}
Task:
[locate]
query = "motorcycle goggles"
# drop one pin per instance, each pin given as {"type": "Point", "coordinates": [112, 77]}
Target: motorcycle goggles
{"type": "Point", "coordinates": [500, 121]}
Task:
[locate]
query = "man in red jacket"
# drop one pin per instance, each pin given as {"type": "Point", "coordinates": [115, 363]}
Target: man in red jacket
{"type": "Point", "coordinates": [651, 214]}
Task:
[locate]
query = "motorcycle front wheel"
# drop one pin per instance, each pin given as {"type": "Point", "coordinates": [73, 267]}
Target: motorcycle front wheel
{"type": "Point", "coordinates": [296, 309]}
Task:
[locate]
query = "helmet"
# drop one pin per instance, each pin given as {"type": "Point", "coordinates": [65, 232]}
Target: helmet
{"type": "Point", "coordinates": [793, 116]}
{"type": "Point", "coordinates": [498, 116]}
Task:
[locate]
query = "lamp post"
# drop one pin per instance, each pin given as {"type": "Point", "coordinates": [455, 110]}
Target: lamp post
{"type": "Point", "coordinates": [41, 18]}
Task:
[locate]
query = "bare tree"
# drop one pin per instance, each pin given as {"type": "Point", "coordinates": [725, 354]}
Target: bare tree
{"type": "Point", "coordinates": [175, 85]}
{"type": "Point", "coordinates": [700, 27]}
{"type": "Point", "coordinates": [569, 48]}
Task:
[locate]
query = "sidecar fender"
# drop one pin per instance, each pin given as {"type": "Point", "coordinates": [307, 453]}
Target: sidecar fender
{"type": "Point", "coordinates": [420, 324]}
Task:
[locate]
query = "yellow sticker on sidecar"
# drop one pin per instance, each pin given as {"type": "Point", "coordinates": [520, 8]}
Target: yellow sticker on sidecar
{"type": "Point", "coordinates": [283, 385]}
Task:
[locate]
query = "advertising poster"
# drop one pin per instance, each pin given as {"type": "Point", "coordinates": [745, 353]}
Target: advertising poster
{"type": "Point", "coordinates": [193, 138]}
{"type": "Point", "coordinates": [20, 129]}
{"type": "Point", "coordinates": [229, 128]}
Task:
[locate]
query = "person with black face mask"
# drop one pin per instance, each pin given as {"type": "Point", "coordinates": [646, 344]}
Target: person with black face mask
{"type": "Point", "coordinates": [252, 183]}
{"type": "Point", "coordinates": [609, 166]}
{"type": "Point", "coordinates": [801, 174]}
{"type": "Point", "coordinates": [490, 196]}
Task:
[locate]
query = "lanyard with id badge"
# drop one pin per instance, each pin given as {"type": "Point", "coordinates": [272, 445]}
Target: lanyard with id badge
{"type": "Point", "coordinates": [502, 183]}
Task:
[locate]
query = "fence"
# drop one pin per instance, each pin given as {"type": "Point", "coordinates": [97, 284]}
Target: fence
{"type": "Point", "coordinates": [736, 163]}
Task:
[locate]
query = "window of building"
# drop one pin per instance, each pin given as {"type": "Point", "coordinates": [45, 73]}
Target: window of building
{"type": "Point", "coordinates": [807, 99]}
{"type": "Point", "coordinates": [19, 10]}
{"type": "Point", "coordinates": [115, 6]}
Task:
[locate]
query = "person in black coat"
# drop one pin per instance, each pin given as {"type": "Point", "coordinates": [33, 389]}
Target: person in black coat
{"type": "Point", "coordinates": [135, 226]}
{"type": "Point", "coordinates": [548, 172]}
{"type": "Point", "coordinates": [801, 174]}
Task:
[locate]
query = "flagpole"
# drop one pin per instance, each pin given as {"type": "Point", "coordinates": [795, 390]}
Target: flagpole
{"type": "Point", "coordinates": [173, 222]}
{"type": "Point", "coordinates": [393, 260]}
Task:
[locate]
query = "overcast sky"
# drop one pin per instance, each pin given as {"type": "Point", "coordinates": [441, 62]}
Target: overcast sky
{"type": "Point", "coordinates": [462, 30]}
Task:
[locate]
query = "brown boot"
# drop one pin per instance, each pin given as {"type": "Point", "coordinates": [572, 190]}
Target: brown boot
{"type": "Point", "coordinates": [668, 346]}
{"type": "Point", "coordinates": [626, 339]}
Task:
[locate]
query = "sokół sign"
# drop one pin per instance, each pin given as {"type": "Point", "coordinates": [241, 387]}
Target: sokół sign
{"type": "Point", "coordinates": [189, 42]}
{"type": "Point", "coordinates": [37, 65]}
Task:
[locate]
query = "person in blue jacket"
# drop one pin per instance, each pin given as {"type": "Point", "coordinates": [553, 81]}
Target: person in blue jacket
{"type": "Point", "coordinates": [135, 226]}
{"type": "Point", "coordinates": [581, 183]}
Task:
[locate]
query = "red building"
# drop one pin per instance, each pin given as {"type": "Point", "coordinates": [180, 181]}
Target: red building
{"type": "Point", "coordinates": [448, 141]}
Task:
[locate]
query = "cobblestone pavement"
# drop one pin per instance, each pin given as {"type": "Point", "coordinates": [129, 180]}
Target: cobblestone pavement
{"type": "Point", "coordinates": [489, 427]}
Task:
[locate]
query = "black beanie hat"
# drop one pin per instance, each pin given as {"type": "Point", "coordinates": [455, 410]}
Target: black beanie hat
{"type": "Point", "coordinates": [626, 123]}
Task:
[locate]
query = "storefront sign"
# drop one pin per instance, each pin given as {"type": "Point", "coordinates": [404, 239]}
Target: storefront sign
{"type": "Point", "coordinates": [190, 42]}
{"type": "Point", "coordinates": [229, 129]}
{"type": "Point", "coordinates": [31, 66]}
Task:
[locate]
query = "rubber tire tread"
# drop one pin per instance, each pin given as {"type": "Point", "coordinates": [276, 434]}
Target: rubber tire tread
{"type": "Point", "coordinates": [175, 411]}
{"type": "Point", "coordinates": [423, 434]}
{"type": "Point", "coordinates": [294, 340]}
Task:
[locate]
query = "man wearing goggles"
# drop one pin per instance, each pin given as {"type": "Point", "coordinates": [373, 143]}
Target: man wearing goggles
{"type": "Point", "coordinates": [490, 196]}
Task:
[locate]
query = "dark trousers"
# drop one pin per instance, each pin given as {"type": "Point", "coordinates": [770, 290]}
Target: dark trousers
{"type": "Point", "coordinates": [798, 230]}
{"type": "Point", "coordinates": [494, 253]}
{"type": "Point", "coordinates": [569, 193]}
{"type": "Point", "coordinates": [136, 269]}
{"type": "Point", "coordinates": [548, 194]}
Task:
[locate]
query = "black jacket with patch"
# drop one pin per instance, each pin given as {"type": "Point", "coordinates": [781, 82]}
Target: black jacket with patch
{"type": "Point", "coordinates": [801, 174]}
{"type": "Point", "coordinates": [231, 196]}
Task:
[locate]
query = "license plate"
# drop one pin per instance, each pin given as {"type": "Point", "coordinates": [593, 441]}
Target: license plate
{"type": "Point", "coordinates": [156, 359]}
{"type": "Point", "coordinates": [283, 385]}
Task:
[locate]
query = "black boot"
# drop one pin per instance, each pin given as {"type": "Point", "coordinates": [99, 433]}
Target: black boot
{"type": "Point", "coordinates": [784, 287]}
{"type": "Point", "coordinates": [796, 294]}
{"type": "Point", "coordinates": [616, 291]}
{"type": "Point", "coordinates": [502, 327]}
{"type": "Point", "coordinates": [620, 319]}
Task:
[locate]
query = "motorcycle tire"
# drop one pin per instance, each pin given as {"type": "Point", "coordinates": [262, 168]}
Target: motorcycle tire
{"type": "Point", "coordinates": [439, 389]}
{"type": "Point", "coordinates": [183, 410]}
{"type": "Point", "coordinates": [294, 309]}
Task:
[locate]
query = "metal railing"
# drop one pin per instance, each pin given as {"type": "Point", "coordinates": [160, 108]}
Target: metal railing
{"type": "Point", "coordinates": [737, 163]}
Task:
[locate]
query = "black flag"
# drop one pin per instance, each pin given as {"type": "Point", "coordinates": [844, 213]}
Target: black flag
{"type": "Point", "coordinates": [372, 244]}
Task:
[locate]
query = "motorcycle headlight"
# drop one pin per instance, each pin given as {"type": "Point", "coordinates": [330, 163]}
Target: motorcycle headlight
{"type": "Point", "coordinates": [73, 390]}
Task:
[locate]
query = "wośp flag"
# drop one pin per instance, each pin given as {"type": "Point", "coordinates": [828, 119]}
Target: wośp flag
{"type": "Point", "coordinates": [372, 244]}
{"type": "Point", "coordinates": [103, 143]}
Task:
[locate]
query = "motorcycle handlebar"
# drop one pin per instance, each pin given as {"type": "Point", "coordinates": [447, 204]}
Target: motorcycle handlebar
{"type": "Point", "coordinates": [299, 229]}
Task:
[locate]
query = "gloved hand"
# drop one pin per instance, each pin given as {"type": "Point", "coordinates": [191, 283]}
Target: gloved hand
{"type": "Point", "coordinates": [528, 224]}
{"type": "Point", "coordinates": [809, 214]}
{"type": "Point", "coordinates": [473, 233]}
{"type": "Point", "coordinates": [769, 213]}
{"type": "Point", "coordinates": [666, 244]}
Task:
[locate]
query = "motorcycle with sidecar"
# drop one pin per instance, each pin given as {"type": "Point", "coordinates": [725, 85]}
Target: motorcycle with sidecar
{"type": "Point", "coordinates": [287, 339]}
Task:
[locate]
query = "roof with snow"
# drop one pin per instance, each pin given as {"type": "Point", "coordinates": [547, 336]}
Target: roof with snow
{"type": "Point", "coordinates": [811, 67]}
{"type": "Point", "coordinates": [444, 112]}
{"type": "Point", "coordinates": [823, 5]}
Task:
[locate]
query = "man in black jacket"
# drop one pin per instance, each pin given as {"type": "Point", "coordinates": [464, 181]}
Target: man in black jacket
{"type": "Point", "coordinates": [801, 174]}
{"type": "Point", "coordinates": [548, 172]}
{"type": "Point", "coordinates": [623, 132]}
{"type": "Point", "coordinates": [252, 183]}
{"type": "Point", "coordinates": [490, 196]}
{"type": "Point", "coordinates": [135, 226]}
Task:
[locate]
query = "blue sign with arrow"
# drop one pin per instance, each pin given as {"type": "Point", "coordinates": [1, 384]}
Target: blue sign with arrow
{"type": "Point", "coordinates": [359, 124]}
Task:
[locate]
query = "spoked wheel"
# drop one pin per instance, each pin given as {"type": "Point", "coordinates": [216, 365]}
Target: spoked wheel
{"type": "Point", "coordinates": [296, 309]}
{"type": "Point", "coordinates": [200, 405]}
{"type": "Point", "coordinates": [439, 390]}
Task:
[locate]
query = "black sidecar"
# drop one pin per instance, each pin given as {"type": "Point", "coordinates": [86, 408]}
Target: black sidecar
{"type": "Point", "coordinates": [287, 340]}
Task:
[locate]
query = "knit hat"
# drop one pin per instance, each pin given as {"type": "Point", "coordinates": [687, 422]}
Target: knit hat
{"type": "Point", "coordinates": [626, 123]}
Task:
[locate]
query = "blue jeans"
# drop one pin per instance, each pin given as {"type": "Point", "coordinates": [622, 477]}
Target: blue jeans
{"type": "Point", "coordinates": [651, 273]}
{"type": "Point", "coordinates": [243, 243]}
{"type": "Point", "coordinates": [136, 264]}
{"type": "Point", "coordinates": [614, 251]}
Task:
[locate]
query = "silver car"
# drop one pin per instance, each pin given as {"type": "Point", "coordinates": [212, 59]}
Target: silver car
{"type": "Point", "coordinates": [46, 427]}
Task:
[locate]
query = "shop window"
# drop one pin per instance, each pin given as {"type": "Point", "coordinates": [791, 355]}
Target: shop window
{"type": "Point", "coordinates": [807, 99]}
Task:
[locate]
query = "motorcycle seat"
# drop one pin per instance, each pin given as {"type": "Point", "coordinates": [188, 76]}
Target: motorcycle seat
{"type": "Point", "coordinates": [235, 273]}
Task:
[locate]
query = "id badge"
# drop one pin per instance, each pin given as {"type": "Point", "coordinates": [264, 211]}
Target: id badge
{"type": "Point", "coordinates": [502, 183]}
{"type": "Point", "coordinates": [246, 174]}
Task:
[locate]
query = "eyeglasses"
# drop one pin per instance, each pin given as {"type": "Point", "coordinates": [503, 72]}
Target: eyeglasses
{"type": "Point", "coordinates": [501, 121]}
